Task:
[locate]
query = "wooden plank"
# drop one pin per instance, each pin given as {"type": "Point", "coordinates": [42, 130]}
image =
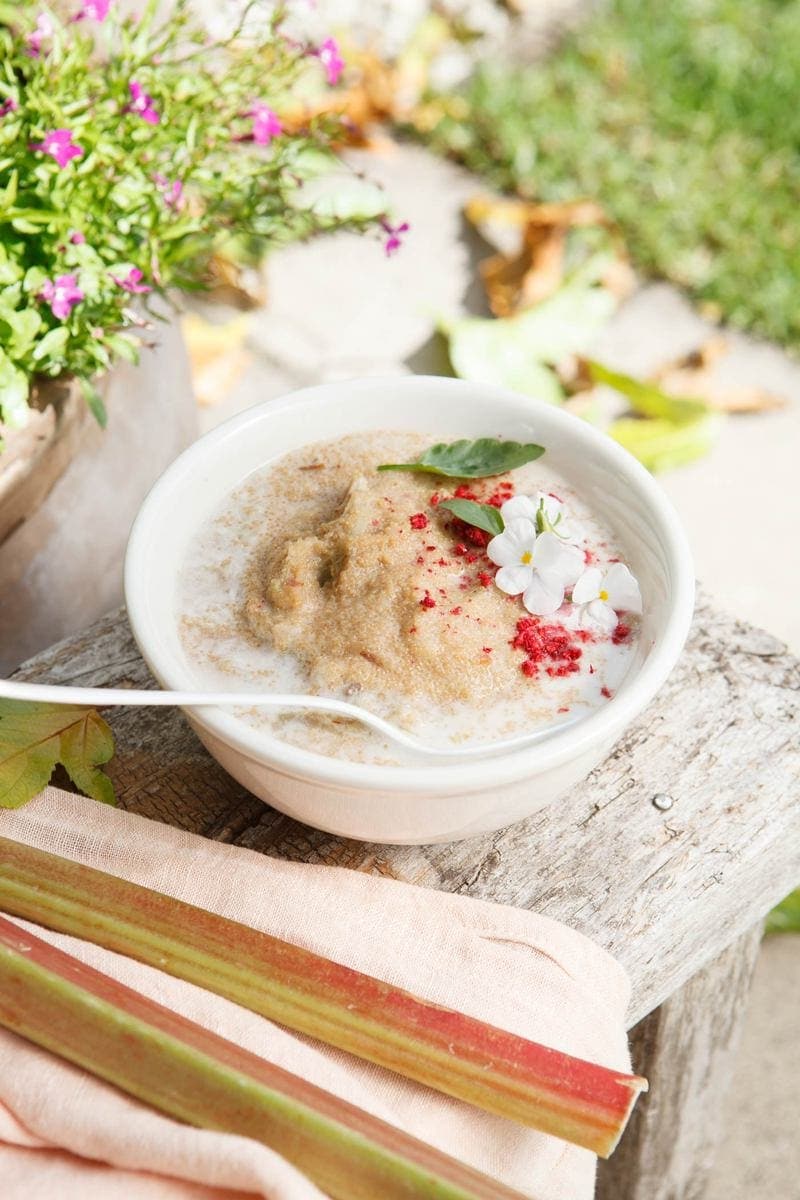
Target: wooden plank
{"type": "Point", "coordinates": [686, 1049]}
{"type": "Point", "coordinates": [665, 891]}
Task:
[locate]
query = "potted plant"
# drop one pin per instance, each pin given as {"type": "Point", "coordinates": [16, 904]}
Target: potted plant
{"type": "Point", "coordinates": [133, 150]}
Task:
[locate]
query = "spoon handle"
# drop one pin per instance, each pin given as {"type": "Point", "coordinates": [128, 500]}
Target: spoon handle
{"type": "Point", "coordinates": [141, 697]}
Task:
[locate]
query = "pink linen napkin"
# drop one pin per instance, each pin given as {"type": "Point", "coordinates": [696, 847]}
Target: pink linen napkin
{"type": "Point", "coordinates": [65, 1134]}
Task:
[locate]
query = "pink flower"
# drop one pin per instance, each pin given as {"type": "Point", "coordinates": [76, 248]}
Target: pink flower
{"type": "Point", "coordinates": [62, 295]}
{"type": "Point", "coordinates": [142, 104]}
{"type": "Point", "coordinates": [172, 191]}
{"type": "Point", "coordinates": [132, 281]}
{"type": "Point", "coordinates": [44, 29]}
{"type": "Point", "coordinates": [77, 238]}
{"type": "Point", "coordinates": [8, 105]}
{"type": "Point", "coordinates": [94, 10]}
{"type": "Point", "coordinates": [266, 124]}
{"type": "Point", "coordinates": [393, 240]}
{"type": "Point", "coordinates": [328, 54]}
{"type": "Point", "coordinates": [59, 143]}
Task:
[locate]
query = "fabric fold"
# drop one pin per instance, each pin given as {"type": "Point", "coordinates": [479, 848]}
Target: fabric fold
{"type": "Point", "coordinates": [61, 1130]}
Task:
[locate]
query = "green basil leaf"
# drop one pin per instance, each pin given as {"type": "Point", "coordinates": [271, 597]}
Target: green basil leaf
{"type": "Point", "coordinates": [482, 516]}
{"type": "Point", "coordinates": [471, 460]}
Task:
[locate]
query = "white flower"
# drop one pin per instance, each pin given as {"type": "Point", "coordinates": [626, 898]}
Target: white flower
{"type": "Point", "coordinates": [540, 566]}
{"type": "Point", "coordinates": [532, 508]}
{"type": "Point", "coordinates": [598, 596]}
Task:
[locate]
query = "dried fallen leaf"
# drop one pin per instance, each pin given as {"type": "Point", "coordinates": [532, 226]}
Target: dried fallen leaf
{"type": "Point", "coordinates": [34, 738]}
{"type": "Point", "coordinates": [693, 375]}
{"type": "Point", "coordinates": [381, 91]}
{"type": "Point", "coordinates": [515, 280]}
{"type": "Point", "coordinates": [233, 283]}
{"type": "Point", "coordinates": [217, 355]}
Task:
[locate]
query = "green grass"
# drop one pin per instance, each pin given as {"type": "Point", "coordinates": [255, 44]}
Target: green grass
{"type": "Point", "coordinates": [684, 121]}
{"type": "Point", "coordinates": [786, 917]}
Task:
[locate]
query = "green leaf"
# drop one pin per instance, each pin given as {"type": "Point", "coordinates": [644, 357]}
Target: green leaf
{"type": "Point", "coordinates": [95, 401]}
{"type": "Point", "coordinates": [34, 738]}
{"type": "Point", "coordinates": [645, 398]}
{"type": "Point", "coordinates": [124, 347]}
{"type": "Point", "coordinates": [514, 351]}
{"type": "Point", "coordinates": [52, 344]}
{"type": "Point", "coordinates": [23, 324]}
{"type": "Point", "coordinates": [661, 445]}
{"type": "Point", "coordinates": [9, 194]}
{"type": "Point", "coordinates": [785, 917]}
{"type": "Point", "coordinates": [35, 278]}
{"type": "Point", "coordinates": [482, 516]}
{"type": "Point", "coordinates": [13, 394]}
{"type": "Point", "coordinates": [471, 460]}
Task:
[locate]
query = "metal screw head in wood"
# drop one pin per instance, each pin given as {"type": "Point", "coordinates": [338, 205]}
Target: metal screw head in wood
{"type": "Point", "coordinates": [663, 801]}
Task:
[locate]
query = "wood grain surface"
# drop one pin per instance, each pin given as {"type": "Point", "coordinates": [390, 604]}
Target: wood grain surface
{"type": "Point", "coordinates": [666, 890]}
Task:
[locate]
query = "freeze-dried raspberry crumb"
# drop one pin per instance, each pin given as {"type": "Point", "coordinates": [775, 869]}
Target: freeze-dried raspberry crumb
{"type": "Point", "coordinates": [551, 647]}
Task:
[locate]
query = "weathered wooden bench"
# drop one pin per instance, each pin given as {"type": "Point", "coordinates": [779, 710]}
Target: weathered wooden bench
{"type": "Point", "coordinates": [669, 855]}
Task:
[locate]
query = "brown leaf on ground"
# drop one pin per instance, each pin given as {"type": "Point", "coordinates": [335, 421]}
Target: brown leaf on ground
{"type": "Point", "coordinates": [693, 376]}
{"type": "Point", "coordinates": [516, 281]}
{"type": "Point", "coordinates": [231, 283]}
{"type": "Point", "coordinates": [217, 356]}
{"type": "Point", "coordinates": [380, 91]}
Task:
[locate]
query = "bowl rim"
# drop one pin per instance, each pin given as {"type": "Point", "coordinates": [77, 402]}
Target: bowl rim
{"type": "Point", "coordinates": [601, 726]}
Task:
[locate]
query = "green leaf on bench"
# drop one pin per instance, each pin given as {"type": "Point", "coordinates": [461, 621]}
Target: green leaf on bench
{"type": "Point", "coordinates": [35, 738]}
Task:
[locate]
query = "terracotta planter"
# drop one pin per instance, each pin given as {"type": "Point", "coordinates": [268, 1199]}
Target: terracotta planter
{"type": "Point", "coordinates": [69, 492]}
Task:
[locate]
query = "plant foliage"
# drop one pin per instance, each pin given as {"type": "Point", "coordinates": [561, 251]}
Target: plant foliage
{"type": "Point", "coordinates": [131, 151]}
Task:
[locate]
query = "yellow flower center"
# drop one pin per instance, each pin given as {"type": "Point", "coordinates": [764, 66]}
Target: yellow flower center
{"type": "Point", "coordinates": [603, 594]}
{"type": "Point", "coordinates": [527, 557]}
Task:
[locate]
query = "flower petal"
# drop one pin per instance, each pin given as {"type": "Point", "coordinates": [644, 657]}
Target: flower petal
{"type": "Point", "coordinates": [600, 615]}
{"type": "Point", "coordinates": [587, 586]}
{"type": "Point", "coordinates": [508, 547]}
{"type": "Point", "coordinates": [544, 594]}
{"type": "Point", "coordinates": [623, 590]}
{"type": "Point", "coordinates": [519, 506]}
{"type": "Point", "coordinates": [514, 579]}
{"type": "Point", "coordinates": [558, 558]}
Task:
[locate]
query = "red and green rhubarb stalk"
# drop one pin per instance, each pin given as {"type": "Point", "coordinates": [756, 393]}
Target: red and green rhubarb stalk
{"type": "Point", "coordinates": [495, 1070]}
{"type": "Point", "coordinates": [184, 1070]}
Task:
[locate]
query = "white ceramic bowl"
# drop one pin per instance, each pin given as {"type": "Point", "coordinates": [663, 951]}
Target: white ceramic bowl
{"type": "Point", "coordinates": [435, 801]}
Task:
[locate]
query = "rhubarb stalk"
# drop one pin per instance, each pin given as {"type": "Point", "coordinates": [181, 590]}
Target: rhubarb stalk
{"type": "Point", "coordinates": [184, 1070]}
{"type": "Point", "coordinates": [495, 1070]}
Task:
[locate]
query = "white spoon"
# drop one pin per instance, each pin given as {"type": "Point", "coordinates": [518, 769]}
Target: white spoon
{"type": "Point", "coordinates": [106, 697]}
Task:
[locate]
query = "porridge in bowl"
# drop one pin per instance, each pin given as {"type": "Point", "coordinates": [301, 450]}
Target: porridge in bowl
{"type": "Point", "coordinates": [464, 591]}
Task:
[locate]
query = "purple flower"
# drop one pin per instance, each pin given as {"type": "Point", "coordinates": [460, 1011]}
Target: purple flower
{"type": "Point", "coordinates": [142, 104]}
{"type": "Point", "coordinates": [77, 238]}
{"type": "Point", "coordinates": [328, 54]}
{"type": "Point", "coordinates": [172, 191]}
{"type": "Point", "coordinates": [266, 124]}
{"type": "Point", "coordinates": [93, 10]}
{"type": "Point", "coordinates": [132, 282]}
{"type": "Point", "coordinates": [62, 295]}
{"type": "Point", "coordinates": [44, 29]}
{"type": "Point", "coordinates": [393, 239]}
{"type": "Point", "coordinates": [59, 143]}
{"type": "Point", "coordinates": [8, 105]}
